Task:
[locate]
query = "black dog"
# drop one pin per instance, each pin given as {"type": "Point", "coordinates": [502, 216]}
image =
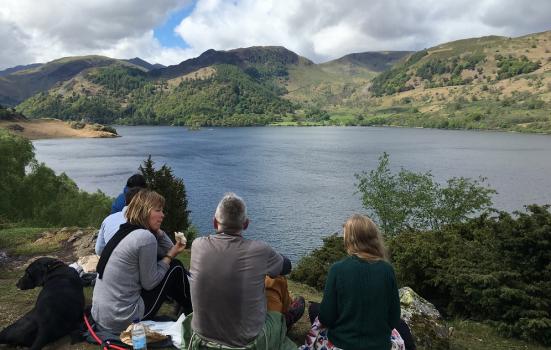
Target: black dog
{"type": "Point", "coordinates": [58, 310]}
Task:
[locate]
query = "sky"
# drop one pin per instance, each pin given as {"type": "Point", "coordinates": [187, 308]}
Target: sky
{"type": "Point", "coordinates": [170, 31]}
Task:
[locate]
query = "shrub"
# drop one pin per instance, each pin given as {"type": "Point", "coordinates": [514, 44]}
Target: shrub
{"type": "Point", "coordinates": [76, 124]}
{"type": "Point", "coordinates": [511, 66]}
{"type": "Point", "coordinates": [494, 268]}
{"type": "Point", "coordinates": [313, 268]}
{"type": "Point", "coordinates": [191, 233]}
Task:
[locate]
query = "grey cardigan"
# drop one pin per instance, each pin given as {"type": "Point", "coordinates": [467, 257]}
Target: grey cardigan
{"type": "Point", "coordinates": [132, 266]}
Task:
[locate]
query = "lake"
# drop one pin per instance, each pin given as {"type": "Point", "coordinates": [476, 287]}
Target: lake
{"type": "Point", "coordinates": [299, 182]}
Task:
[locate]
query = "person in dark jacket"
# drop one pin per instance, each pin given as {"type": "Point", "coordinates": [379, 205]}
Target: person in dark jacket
{"type": "Point", "coordinates": [136, 180]}
{"type": "Point", "coordinates": [360, 306]}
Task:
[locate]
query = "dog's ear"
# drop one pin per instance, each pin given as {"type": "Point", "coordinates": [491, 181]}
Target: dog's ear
{"type": "Point", "coordinates": [38, 271]}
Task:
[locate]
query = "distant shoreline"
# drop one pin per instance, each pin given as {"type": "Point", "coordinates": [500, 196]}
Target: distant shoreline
{"type": "Point", "coordinates": [52, 129]}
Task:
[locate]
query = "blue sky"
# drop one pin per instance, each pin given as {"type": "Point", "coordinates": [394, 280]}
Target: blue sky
{"type": "Point", "coordinates": [165, 32]}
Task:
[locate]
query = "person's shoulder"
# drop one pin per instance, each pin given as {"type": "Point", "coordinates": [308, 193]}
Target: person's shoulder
{"type": "Point", "coordinates": [199, 242]}
{"type": "Point", "coordinates": [143, 236]}
{"type": "Point", "coordinates": [386, 267]}
{"type": "Point", "coordinates": [341, 264]}
{"type": "Point", "coordinates": [259, 245]}
{"type": "Point", "coordinates": [115, 217]}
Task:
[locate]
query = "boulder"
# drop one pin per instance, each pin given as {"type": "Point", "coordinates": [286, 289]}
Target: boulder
{"type": "Point", "coordinates": [426, 324]}
{"type": "Point", "coordinates": [88, 263]}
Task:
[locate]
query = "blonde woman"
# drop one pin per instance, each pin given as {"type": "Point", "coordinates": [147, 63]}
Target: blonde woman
{"type": "Point", "coordinates": [360, 306]}
{"type": "Point", "coordinates": [137, 269]}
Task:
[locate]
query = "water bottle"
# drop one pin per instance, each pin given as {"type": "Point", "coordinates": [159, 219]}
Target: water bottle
{"type": "Point", "coordinates": [139, 341]}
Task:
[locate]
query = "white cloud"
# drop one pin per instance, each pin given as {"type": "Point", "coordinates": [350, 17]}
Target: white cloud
{"type": "Point", "coordinates": [51, 29]}
{"type": "Point", "coordinates": [38, 31]}
{"type": "Point", "coordinates": [323, 30]}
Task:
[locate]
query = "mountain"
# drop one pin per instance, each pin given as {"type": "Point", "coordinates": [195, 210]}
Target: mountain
{"type": "Point", "coordinates": [366, 64]}
{"type": "Point", "coordinates": [229, 88]}
{"type": "Point", "coordinates": [267, 59]}
{"type": "Point", "coordinates": [333, 83]}
{"type": "Point", "coordinates": [492, 82]}
{"type": "Point", "coordinates": [18, 68]}
{"type": "Point", "coordinates": [239, 85]}
{"type": "Point", "coordinates": [144, 64]}
{"type": "Point", "coordinates": [22, 84]}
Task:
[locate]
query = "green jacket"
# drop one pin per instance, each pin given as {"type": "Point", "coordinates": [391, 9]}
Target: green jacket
{"type": "Point", "coordinates": [360, 305]}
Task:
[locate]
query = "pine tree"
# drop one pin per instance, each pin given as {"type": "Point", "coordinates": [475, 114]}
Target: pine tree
{"type": "Point", "coordinates": [173, 189]}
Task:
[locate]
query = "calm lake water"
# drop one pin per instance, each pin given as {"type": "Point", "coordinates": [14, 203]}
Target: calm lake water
{"type": "Point", "coordinates": [299, 182]}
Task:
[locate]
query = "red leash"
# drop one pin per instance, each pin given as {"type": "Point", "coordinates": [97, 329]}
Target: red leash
{"type": "Point", "coordinates": [98, 340]}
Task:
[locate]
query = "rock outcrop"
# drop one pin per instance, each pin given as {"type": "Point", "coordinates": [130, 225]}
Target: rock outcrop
{"type": "Point", "coordinates": [426, 324]}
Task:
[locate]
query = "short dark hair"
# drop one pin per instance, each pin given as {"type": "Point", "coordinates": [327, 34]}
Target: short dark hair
{"type": "Point", "coordinates": [130, 193]}
{"type": "Point", "coordinates": [136, 180]}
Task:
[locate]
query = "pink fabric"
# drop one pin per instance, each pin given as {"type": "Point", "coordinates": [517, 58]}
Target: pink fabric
{"type": "Point", "coordinates": [316, 339]}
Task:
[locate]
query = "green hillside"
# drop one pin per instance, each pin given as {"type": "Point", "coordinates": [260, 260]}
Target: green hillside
{"type": "Point", "coordinates": [22, 84]}
{"type": "Point", "coordinates": [330, 85]}
{"type": "Point", "coordinates": [236, 87]}
{"type": "Point", "coordinates": [492, 82]}
{"type": "Point", "coordinates": [364, 64]}
{"type": "Point", "coordinates": [229, 96]}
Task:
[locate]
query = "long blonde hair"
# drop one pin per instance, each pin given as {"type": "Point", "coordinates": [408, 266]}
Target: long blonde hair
{"type": "Point", "coordinates": [363, 239]}
{"type": "Point", "coordinates": [141, 205]}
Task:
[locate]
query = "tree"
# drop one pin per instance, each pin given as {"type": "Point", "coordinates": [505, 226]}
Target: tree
{"type": "Point", "coordinates": [33, 194]}
{"type": "Point", "coordinates": [15, 154]}
{"type": "Point", "coordinates": [173, 189]}
{"type": "Point", "coordinates": [414, 201]}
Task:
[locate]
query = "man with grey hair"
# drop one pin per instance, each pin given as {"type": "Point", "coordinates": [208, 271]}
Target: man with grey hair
{"type": "Point", "coordinates": [238, 293]}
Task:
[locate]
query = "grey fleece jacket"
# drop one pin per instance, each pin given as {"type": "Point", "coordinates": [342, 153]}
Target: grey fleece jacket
{"type": "Point", "coordinates": [132, 266]}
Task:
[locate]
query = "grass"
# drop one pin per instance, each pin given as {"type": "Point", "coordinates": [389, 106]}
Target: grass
{"type": "Point", "coordinates": [470, 335]}
{"type": "Point", "coordinates": [467, 335]}
{"type": "Point", "coordinates": [20, 241]}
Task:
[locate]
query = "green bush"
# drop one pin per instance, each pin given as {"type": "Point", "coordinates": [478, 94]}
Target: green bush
{"type": "Point", "coordinates": [512, 66]}
{"type": "Point", "coordinates": [494, 268]}
{"type": "Point", "coordinates": [191, 233]}
{"type": "Point", "coordinates": [391, 82]}
{"type": "Point", "coordinates": [313, 268]}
